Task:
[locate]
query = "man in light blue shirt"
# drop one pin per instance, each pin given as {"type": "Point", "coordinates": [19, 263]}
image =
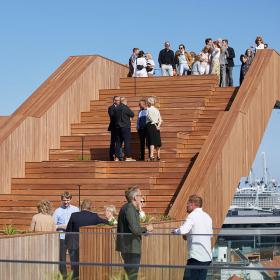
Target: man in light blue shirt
{"type": "Point", "coordinates": [62, 216]}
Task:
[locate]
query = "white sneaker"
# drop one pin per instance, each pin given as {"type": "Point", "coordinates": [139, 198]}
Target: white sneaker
{"type": "Point", "coordinates": [130, 159]}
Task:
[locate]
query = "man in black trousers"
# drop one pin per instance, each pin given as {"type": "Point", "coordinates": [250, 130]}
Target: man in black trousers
{"type": "Point", "coordinates": [123, 115]}
{"type": "Point", "coordinates": [112, 126]}
{"type": "Point", "coordinates": [77, 220]}
{"type": "Point", "coordinates": [230, 63]}
{"type": "Point", "coordinates": [130, 231]}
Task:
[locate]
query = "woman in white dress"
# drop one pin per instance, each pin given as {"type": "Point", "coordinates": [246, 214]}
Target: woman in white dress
{"type": "Point", "coordinates": [215, 60]}
{"type": "Point", "coordinates": [205, 61]}
{"type": "Point", "coordinates": [140, 66]}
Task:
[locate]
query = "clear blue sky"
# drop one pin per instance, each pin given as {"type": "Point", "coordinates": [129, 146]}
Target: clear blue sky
{"type": "Point", "coordinates": [37, 36]}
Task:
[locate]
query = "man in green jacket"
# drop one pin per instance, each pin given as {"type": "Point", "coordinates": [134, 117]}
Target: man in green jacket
{"type": "Point", "coordinates": [130, 232]}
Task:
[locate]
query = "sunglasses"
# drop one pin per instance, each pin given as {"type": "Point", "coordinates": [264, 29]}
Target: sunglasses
{"type": "Point", "coordinates": [142, 201]}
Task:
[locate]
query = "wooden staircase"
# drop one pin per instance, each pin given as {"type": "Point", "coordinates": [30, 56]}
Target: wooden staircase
{"type": "Point", "coordinates": [189, 107]}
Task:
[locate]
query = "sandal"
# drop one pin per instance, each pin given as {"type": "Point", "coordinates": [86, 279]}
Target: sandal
{"type": "Point", "coordinates": [158, 158]}
{"type": "Point", "coordinates": [151, 159]}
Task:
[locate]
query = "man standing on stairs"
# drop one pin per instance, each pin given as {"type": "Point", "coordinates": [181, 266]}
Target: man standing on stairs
{"type": "Point", "coordinates": [112, 126]}
{"type": "Point", "coordinates": [166, 60]}
{"type": "Point", "coordinates": [198, 228]}
{"type": "Point", "coordinates": [61, 217]}
{"type": "Point", "coordinates": [123, 115]}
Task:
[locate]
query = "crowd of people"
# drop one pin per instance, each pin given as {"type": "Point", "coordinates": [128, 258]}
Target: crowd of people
{"type": "Point", "coordinates": [216, 57]}
{"type": "Point", "coordinates": [148, 126]}
{"type": "Point", "coordinates": [67, 220]}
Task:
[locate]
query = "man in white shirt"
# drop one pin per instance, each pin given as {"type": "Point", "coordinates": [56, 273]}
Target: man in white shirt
{"type": "Point", "coordinates": [198, 228]}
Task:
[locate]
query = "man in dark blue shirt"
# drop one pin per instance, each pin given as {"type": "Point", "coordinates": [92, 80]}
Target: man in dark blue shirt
{"type": "Point", "coordinates": [230, 63]}
{"type": "Point", "coordinates": [77, 220]}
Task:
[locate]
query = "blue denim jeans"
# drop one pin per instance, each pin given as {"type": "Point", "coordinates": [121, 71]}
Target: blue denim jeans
{"type": "Point", "coordinates": [183, 69]}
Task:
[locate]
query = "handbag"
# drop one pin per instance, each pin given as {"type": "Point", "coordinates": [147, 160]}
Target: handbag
{"type": "Point", "coordinates": [139, 67]}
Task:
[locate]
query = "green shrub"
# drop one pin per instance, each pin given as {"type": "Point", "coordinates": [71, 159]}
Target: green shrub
{"type": "Point", "coordinates": [147, 219]}
{"type": "Point", "coordinates": [165, 218]}
{"type": "Point", "coordinates": [83, 158]}
{"type": "Point", "coordinates": [59, 276]}
{"type": "Point", "coordinates": [9, 230]}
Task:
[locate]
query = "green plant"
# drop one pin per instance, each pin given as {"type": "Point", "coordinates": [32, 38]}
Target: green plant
{"type": "Point", "coordinates": [122, 276]}
{"type": "Point", "coordinates": [59, 276]}
{"type": "Point", "coordinates": [147, 219]}
{"type": "Point", "coordinates": [83, 158]}
{"type": "Point", "coordinates": [119, 276]}
{"type": "Point", "coordinates": [9, 230]}
{"type": "Point", "coordinates": [165, 218]}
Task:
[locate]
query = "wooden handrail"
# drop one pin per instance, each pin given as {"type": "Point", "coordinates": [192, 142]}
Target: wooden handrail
{"type": "Point", "coordinates": [231, 146]}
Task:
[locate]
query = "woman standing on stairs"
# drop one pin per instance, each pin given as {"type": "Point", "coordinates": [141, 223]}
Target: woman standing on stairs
{"type": "Point", "coordinates": [154, 122]}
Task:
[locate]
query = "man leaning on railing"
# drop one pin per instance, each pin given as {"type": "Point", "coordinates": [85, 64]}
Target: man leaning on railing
{"type": "Point", "coordinates": [198, 228]}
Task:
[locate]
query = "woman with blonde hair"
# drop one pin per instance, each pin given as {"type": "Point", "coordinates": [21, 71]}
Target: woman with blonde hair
{"type": "Point", "coordinates": [215, 60]}
{"type": "Point", "coordinates": [154, 122]}
{"type": "Point", "coordinates": [43, 221]}
{"type": "Point", "coordinates": [150, 65]}
{"type": "Point", "coordinates": [110, 211]}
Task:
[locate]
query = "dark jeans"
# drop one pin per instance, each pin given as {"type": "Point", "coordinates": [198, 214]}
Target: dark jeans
{"type": "Point", "coordinates": [229, 76]}
{"type": "Point", "coordinates": [62, 257]}
{"type": "Point", "coordinates": [132, 272]}
{"type": "Point", "coordinates": [142, 133]}
{"type": "Point", "coordinates": [74, 257]}
{"type": "Point", "coordinates": [113, 143]}
{"type": "Point", "coordinates": [123, 136]}
{"type": "Point", "coordinates": [195, 274]}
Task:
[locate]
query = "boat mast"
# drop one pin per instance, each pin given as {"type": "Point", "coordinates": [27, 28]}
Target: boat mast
{"type": "Point", "coordinates": [264, 169]}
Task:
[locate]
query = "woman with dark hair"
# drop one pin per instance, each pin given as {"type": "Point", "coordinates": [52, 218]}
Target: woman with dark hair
{"type": "Point", "coordinates": [244, 67]}
{"type": "Point", "coordinates": [154, 122]}
{"type": "Point", "coordinates": [259, 42]}
{"type": "Point", "coordinates": [140, 66]}
{"type": "Point", "coordinates": [250, 56]}
{"type": "Point", "coordinates": [183, 60]}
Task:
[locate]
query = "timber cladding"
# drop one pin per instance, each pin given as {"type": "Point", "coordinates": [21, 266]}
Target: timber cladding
{"type": "Point", "coordinates": [229, 150]}
{"type": "Point", "coordinates": [29, 247]}
{"type": "Point", "coordinates": [36, 126]}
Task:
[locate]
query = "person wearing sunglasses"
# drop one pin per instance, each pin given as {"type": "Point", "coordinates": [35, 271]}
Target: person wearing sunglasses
{"type": "Point", "coordinates": [142, 214]}
{"type": "Point", "coordinates": [183, 60]}
{"type": "Point", "coordinates": [259, 42]}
